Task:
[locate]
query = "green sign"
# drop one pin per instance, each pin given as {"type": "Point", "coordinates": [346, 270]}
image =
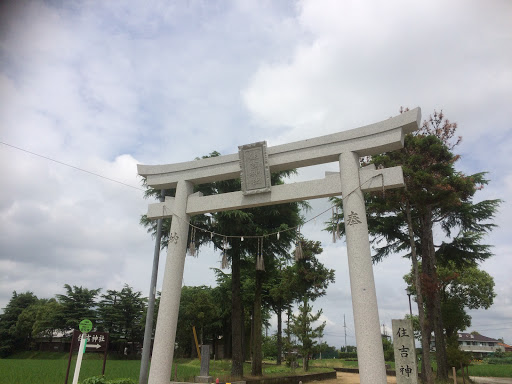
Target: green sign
{"type": "Point", "coordinates": [85, 325]}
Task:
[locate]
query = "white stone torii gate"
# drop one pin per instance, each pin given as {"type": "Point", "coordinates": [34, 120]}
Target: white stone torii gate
{"type": "Point", "coordinates": [346, 147]}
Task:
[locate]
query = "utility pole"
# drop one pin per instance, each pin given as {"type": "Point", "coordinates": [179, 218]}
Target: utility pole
{"type": "Point", "coordinates": [148, 331]}
{"type": "Point", "coordinates": [345, 326]}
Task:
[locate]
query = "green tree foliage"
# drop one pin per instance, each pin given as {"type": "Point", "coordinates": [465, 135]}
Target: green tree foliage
{"type": "Point", "coordinates": [269, 347]}
{"type": "Point", "coordinates": [39, 319]}
{"type": "Point", "coordinates": [302, 327]}
{"type": "Point", "coordinates": [12, 339]}
{"type": "Point", "coordinates": [121, 313]}
{"type": "Point", "coordinates": [387, 346]}
{"type": "Point", "coordinates": [310, 280]}
{"type": "Point", "coordinates": [47, 318]}
{"type": "Point", "coordinates": [456, 357]}
{"type": "Point", "coordinates": [326, 351]}
{"type": "Point", "coordinates": [281, 296]}
{"type": "Point", "coordinates": [308, 276]}
{"type": "Point", "coordinates": [436, 196]}
{"type": "Point", "coordinates": [77, 304]}
{"type": "Point", "coordinates": [461, 288]}
{"type": "Point", "coordinates": [198, 308]}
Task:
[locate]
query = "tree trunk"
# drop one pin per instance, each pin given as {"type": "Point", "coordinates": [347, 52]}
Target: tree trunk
{"type": "Point", "coordinates": [426, 370]}
{"type": "Point", "coordinates": [433, 298]}
{"type": "Point", "coordinates": [279, 313]}
{"type": "Point", "coordinates": [257, 357]}
{"type": "Point", "coordinates": [237, 356]}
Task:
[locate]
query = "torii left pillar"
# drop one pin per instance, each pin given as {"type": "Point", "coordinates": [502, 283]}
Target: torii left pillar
{"type": "Point", "coordinates": [165, 334]}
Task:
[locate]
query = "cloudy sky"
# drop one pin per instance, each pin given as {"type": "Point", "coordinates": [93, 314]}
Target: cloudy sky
{"type": "Point", "coordinates": [106, 85]}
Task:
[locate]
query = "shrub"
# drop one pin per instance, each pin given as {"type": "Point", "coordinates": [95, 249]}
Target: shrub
{"type": "Point", "coordinates": [102, 380]}
{"type": "Point", "coordinates": [95, 380]}
{"type": "Point", "coordinates": [347, 355]}
{"type": "Point", "coordinates": [455, 356]}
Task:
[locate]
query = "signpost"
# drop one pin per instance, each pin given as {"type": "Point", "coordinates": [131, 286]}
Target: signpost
{"type": "Point", "coordinates": [85, 326]}
{"type": "Point", "coordinates": [405, 352]}
{"type": "Point", "coordinates": [86, 341]}
{"type": "Point", "coordinates": [96, 341]}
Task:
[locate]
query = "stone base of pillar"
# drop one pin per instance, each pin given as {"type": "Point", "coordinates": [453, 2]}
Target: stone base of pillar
{"type": "Point", "coordinates": [203, 379]}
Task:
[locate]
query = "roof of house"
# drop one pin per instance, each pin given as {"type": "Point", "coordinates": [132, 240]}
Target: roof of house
{"type": "Point", "coordinates": [475, 337]}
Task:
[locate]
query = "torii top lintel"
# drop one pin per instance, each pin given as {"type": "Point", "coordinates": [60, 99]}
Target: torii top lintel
{"type": "Point", "coordinates": [384, 136]}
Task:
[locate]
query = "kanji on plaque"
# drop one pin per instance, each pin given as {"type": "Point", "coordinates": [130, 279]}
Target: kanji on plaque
{"type": "Point", "coordinates": [96, 341]}
{"type": "Point", "coordinates": [405, 353]}
{"type": "Point", "coordinates": [406, 371]}
{"type": "Point", "coordinates": [402, 332]}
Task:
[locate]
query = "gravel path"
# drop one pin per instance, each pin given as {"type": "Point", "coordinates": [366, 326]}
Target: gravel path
{"type": "Point", "coordinates": [350, 378]}
{"type": "Point", "coordinates": [491, 380]}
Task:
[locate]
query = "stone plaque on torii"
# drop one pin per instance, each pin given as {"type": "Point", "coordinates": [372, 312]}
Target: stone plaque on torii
{"type": "Point", "coordinates": [254, 162]}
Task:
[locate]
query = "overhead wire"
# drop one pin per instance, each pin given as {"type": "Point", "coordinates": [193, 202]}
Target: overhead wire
{"type": "Point", "coordinates": [71, 166]}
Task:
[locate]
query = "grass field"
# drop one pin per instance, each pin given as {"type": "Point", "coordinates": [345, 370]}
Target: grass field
{"type": "Point", "coordinates": [491, 370]}
{"type": "Point", "coordinates": [479, 369]}
{"type": "Point", "coordinates": [52, 369]}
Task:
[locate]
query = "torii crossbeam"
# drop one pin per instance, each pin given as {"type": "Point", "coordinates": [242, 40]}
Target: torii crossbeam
{"type": "Point", "coordinates": [253, 164]}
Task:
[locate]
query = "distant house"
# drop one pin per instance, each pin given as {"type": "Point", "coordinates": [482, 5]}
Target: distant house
{"type": "Point", "coordinates": [478, 345]}
{"type": "Point", "coordinates": [505, 347]}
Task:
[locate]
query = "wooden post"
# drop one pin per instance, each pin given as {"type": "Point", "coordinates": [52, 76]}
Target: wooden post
{"type": "Point", "coordinates": [105, 356]}
{"type": "Point", "coordinates": [454, 375]}
{"type": "Point", "coordinates": [70, 355]}
{"type": "Point", "coordinates": [197, 344]}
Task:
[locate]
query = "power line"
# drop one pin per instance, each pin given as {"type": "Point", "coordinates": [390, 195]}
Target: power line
{"type": "Point", "coordinates": [492, 329]}
{"type": "Point", "coordinates": [71, 166]}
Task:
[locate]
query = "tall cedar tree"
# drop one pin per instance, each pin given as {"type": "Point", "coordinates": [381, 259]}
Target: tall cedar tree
{"type": "Point", "coordinates": [121, 314]}
{"type": "Point", "coordinates": [258, 221]}
{"type": "Point", "coordinates": [436, 195]}
{"type": "Point", "coordinates": [77, 304]}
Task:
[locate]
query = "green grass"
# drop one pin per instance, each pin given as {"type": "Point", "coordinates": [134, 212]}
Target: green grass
{"type": "Point", "coordinates": [49, 371]}
{"type": "Point", "coordinates": [341, 363]}
{"type": "Point", "coordinates": [490, 370]}
{"type": "Point", "coordinates": [50, 368]}
{"type": "Point", "coordinates": [481, 369]}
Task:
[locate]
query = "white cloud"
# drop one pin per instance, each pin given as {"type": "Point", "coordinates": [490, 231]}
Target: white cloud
{"type": "Point", "coordinates": [105, 85]}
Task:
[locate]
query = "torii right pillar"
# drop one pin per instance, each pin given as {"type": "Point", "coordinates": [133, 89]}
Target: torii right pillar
{"type": "Point", "coordinates": [370, 355]}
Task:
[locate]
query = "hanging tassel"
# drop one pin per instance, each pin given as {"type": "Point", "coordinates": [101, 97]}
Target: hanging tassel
{"type": "Point", "coordinates": [337, 224]}
{"type": "Point", "coordinates": [383, 190]}
{"type": "Point", "coordinates": [192, 245]}
{"type": "Point", "coordinates": [298, 247]}
{"type": "Point", "coordinates": [260, 265]}
{"type": "Point", "coordinates": [333, 231]}
{"type": "Point", "coordinates": [242, 238]}
{"type": "Point", "coordinates": [278, 233]}
{"type": "Point", "coordinates": [224, 263]}
{"type": "Point", "coordinates": [298, 251]}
